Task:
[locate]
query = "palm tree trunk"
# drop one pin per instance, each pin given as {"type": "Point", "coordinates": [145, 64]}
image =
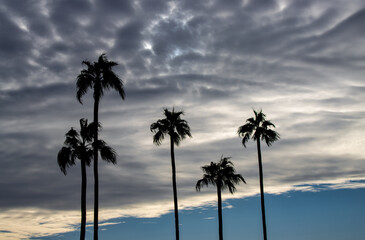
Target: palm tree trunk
{"type": "Point", "coordinates": [96, 174]}
{"type": "Point", "coordinates": [261, 188]}
{"type": "Point", "coordinates": [220, 218]}
{"type": "Point", "coordinates": [83, 200]}
{"type": "Point", "coordinates": [174, 188]}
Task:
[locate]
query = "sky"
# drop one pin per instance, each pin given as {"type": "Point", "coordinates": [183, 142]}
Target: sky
{"type": "Point", "coordinates": [301, 61]}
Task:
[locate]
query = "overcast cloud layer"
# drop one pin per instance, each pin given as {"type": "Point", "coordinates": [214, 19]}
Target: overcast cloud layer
{"type": "Point", "coordinates": [301, 61]}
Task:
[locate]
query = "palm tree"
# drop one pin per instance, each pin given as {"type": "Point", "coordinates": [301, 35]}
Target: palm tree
{"type": "Point", "coordinates": [257, 128]}
{"type": "Point", "coordinates": [98, 76]}
{"type": "Point", "coordinates": [177, 129]}
{"type": "Point", "coordinates": [222, 175]}
{"type": "Point", "coordinates": [78, 146]}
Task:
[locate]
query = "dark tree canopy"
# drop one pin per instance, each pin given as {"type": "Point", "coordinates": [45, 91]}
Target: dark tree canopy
{"type": "Point", "coordinates": [98, 76]}
{"type": "Point", "coordinates": [172, 125]}
{"type": "Point", "coordinates": [221, 174]}
{"type": "Point", "coordinates": [258, 128]}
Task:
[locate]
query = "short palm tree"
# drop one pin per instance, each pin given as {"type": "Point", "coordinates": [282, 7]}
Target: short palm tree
{"type": "Point", "coordinates": [177, 129]}
{"type": "Point", "coordinates": [78, 146]}
{"type": "Point", "coordinates": [258, 128]}
{"type": "Point", "coordinates": [222, 175]}
{"type": "Point", "coordinates": [98, 76]}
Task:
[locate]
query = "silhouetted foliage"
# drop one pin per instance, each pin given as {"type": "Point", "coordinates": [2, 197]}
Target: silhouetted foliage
{"type": "Point", "coordinates": [177, 129]}
{"type": "Point", "coordinates": [98, 76]}
{"type": "Point", "coordinates": [257, 128]}
{"type": "Point", "coordinates": [222, 175]}
{"type": "Point", "coordinates": [78, 146]}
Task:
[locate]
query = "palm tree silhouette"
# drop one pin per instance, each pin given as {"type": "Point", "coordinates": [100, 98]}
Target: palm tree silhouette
{"type": "Point", "coordinates": [177, 129]}
{"type": "Point", "coordinates": [98, 76]}
{"type": "Point", "coordinates": [257, 128]}
{"type": "Point", "coordinates": [222, 175]}
{"type": "Point", "coordinates": [78, 146]}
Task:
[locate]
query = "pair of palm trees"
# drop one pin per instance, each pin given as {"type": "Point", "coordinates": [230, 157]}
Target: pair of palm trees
{"type": "Point", "coordinates": [85, 145]}
{"type": "Point", "coordinates": [79, 145]}
{"type": "Point", "coordinates": [221, 174]}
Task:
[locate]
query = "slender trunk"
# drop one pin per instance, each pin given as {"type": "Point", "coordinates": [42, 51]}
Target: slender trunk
{"type": "Point", "coordinates": [220, 218]}
{"type": "Point", "coordinates": [261, 189]}
{"type": "Point", "coordinates": [174, 188]}
{"type": "Point", "coordinates": [83, 200]}
{"type": "Point", "coordinates": [96, 174]}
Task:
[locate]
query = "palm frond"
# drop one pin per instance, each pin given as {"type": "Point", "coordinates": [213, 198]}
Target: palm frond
{"type": "Point", "coordinates": [266, 124]}
{"type": "Point", "coordinates": [183, 128]}
{"type": "Point", "coordinates": [84, 81]}
{"type": "Point", "coordinates": [245, 131]}
{"type": "Point", "coordinates": [201, 183]}
{"type": "Point", "coordinates": [158, 137]}
{"type": "Point", "coordinates": [270, 136]}
{"type": "Point", "coordinates": [64, 159]}
{"type": "Point", "coordinates": [176, 138]}
{"type": "Point", "coordinates": [112, 81]}
{"type": "Point", "coordinates": [107, 153]}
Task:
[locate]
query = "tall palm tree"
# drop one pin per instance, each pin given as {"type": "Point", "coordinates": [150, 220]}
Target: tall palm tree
{"type": "Point", "coordinates": [222, 175]}
{"type": "Point", "coordinates": [257, 128]}
{"type": "Point", "coordinates": [78, 146]}
{"type": "Point", "coordinates": [98, 76]}
{"type": "Point", "coordinates": [177, 129]}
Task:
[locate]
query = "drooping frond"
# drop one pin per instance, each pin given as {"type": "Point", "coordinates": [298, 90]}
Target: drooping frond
{"type": "Point", "coordinates": [160, 129]}
{"type": "Point", "coordinates": [182, 128]}
{"type": "Point", "coordinates": [158, 137]}
{"type": "Point", "coordinates": [85, 80]}
{"type": "Point", "coordinates": [112, 81]}
{"type": "Point", "coordinates": [245, 131]}
{"type": "Point", "coordinates": [201, 183]}
{"type": "Point", "coordinates": [107, 153]}
{"type": "Point", "coordinates": [64, 159]}
{"type": "Point", "coordinates": [270, 136]}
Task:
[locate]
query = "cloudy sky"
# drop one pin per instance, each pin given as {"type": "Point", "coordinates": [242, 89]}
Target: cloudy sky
{"type": "Point", "coordinates": [301, 61]}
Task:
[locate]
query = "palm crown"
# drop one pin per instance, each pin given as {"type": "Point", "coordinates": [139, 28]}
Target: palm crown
{"type": "Point", "coordinates": [173, 125]}
{"type": "Point", "coordinates": [221, 174]}
{"type": "Point", "coordinates": [258, 127]}
{"type": "Point", "coordinates": [98, 76]}
{"type": "Point", "coordinates": [76, 146]}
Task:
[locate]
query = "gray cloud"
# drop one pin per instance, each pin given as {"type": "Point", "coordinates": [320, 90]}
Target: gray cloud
{"type": "Point", "coordinates": [302, 62]}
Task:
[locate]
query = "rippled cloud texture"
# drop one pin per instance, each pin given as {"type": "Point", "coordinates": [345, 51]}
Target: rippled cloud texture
{"type": "Point", "coordinates": [301, 61]}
